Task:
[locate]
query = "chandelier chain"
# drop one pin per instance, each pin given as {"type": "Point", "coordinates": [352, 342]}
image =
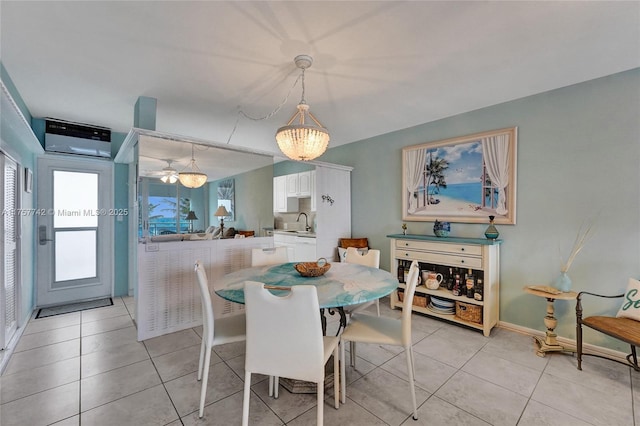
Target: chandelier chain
{"type": "Point", "coordinates": [272, 113]}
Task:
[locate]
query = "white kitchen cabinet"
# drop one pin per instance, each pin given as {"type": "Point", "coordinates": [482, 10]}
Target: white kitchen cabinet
{"type": "Point", "coordinates": [281, 202]}
{"type": "Point", "coordinates": [292, 185]}
{"type": "Point", "coordinates": [329, 187]}
{"type": "Point", "coordinates": [288, 241]}
{"type": "Point", "coordinates": [304, 184]}
{"type": "Point", "coordinates": [299, 185]}
{"type": "Point", "coordinates": [305, 250]}
{"type": "Point", "coordinates": [314, 194]}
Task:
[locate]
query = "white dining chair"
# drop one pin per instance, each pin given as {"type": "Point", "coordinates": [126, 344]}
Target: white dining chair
{"type": "Point", "coordinates": [269, 256]}
{"type": "Point", "coordinates": [371, 258]}
{"type": "Point", "coordinates": [384, 331]}
{"type": "Point", "coordinates": [214, 332]}
{"type": "Point", "coordinates": [284, 339]}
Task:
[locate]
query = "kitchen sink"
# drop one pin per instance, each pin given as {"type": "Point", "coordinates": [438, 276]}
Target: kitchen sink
{"type": "Point", "coordinates": [294, 232]}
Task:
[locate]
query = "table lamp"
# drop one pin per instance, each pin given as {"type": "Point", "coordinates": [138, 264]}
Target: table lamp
{"type": "Point", "coordinates": [191, 216]}
{"type": "Point", "coordinates": [221, 213]}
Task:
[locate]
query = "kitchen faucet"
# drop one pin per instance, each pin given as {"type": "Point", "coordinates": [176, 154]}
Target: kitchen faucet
{"type": "Point", "coordinates": [306, 221]}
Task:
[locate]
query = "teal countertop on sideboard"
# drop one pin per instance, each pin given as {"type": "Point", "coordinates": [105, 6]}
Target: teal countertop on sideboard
{"type": "Point", "coordinates": [458, 240]}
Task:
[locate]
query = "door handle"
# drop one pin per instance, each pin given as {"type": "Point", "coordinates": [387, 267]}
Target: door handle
{"type": "Point", "coordinates": [42, 235]}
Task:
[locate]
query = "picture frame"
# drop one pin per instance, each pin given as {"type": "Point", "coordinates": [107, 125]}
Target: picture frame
{"type": "Point", "coordinates": [463, 179]}
{"type": "Point", "coordinates": [28, 180]}
{"type": "Point", "coordinates": [226, 197]}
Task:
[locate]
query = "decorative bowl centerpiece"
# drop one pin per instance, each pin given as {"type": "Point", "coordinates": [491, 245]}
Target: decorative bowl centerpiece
{"type": "Point", "coordinates": [313, 269]}
{"type": "Point", "coordinates": [441, 229]}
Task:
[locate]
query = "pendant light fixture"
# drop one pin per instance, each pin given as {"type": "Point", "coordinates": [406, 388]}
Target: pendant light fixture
{"type": "Point", "coordinates": [303, 140]}
{"type": "Point", "coordinates": [193, 178]}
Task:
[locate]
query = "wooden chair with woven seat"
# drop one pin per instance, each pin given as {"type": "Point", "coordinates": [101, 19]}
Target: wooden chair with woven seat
{"type": "Point", "coordinates": [624, 329]}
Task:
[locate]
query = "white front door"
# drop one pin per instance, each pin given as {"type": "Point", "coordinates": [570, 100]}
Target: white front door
{"type": "Point", "coordinates": [75, 230]}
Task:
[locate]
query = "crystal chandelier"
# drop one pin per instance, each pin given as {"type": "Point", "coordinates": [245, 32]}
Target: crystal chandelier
{"type": "Point", "coordinates": [303, 141]}
{"type": "Point", "coordinates": [193, 178]}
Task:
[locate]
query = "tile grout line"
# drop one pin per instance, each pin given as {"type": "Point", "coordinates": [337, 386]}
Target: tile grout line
{"type": "Point", "coordinates": [155, 367]}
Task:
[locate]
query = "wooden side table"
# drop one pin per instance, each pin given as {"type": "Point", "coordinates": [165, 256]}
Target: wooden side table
{"type": "Point", "coordinates": [550, 342]}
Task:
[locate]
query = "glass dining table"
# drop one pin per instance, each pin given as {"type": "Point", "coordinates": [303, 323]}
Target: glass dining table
{"type": "Point", "coordinates": [344, 284]}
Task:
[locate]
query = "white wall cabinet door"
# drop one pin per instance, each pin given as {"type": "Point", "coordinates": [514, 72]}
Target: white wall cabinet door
{"type": "Point", "coordinates": [281, 202]}
{"type": "Point", "coordinates": [279, 194]}
{"type": "Point", "coordinates": [314, 195]}
{"type": "Point", "coordinates": [292, 185]}
{"type": "Point", "coordinates": [9, 291]}
{"type": "Point", "coordinates": [304, 184]}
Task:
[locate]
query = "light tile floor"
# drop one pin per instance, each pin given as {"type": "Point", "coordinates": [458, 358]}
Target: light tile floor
{"type": "Point", "coordinates": [87, 368]}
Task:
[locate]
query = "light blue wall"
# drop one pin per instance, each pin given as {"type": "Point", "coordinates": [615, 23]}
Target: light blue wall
{"type": "Point", "coordinates": [253, 200]}
{"type": "Point", "coordinates": [578, 156]}
{"type": "Point", "coordinates": [22, 152]}
{"type": "Point", "coordinates": [289, 167]}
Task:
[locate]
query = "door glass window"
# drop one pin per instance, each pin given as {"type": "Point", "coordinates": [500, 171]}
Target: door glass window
{"type": "Point", "coordinates": [75, 255]}
{"type": "Point", "coordinates": [71, 209]}
{"type": "Point", "coordinates": [75, 225]}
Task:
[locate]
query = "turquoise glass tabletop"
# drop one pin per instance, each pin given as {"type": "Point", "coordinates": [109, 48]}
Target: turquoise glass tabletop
{"type": "Point", "coordinates": [342, 285]}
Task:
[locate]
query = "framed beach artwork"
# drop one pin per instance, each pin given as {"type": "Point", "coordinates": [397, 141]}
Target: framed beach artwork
{"type": "Point", "coordinates": [463, 179]}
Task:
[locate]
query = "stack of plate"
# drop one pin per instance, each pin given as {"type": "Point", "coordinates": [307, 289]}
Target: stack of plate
{"type": "Point", "coordinates": [442, 306]}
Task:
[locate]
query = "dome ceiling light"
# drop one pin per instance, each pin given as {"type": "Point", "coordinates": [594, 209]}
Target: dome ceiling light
{"type": "Point", "coordinates": [303, 141]}
{"type": "Point", "coordinates": [192, 178]}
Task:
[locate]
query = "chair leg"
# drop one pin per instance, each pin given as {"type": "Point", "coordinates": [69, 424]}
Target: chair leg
{"type": "Point", "coordinates": [336, 378]}
{"type": "Point", "coordinates": [320, 392]}
{"type": "Point", "coordinates": [270, 385]}
{"type": "Point", "coordinates": [205, 379]}
{"type": "Point", "coordinates": [633, 357]}
{"type": "Point", "coordinates": [378, 306]}
{"type": "Point", "coordinates": [276, 387]}
{"type": "Point", "coordinates": [410, 370]}
{"type": "Point", "coordinates": [245, 398]}
{"type": "Point", "coordinates": [352, 355]}
{"type": "Point", "coordinates": [201, 360]}
{"type": "Point", "coordinates": [343, 373]}
{"type": "Point", "coordinates": [579, 345]}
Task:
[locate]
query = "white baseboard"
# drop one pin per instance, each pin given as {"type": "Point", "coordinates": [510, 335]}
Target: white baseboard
{"type": "Point", "coordinates": [570, 344]}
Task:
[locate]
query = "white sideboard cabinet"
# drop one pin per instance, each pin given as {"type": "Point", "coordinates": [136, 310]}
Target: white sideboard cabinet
{"type": "Point", "coordinates": [480, 255]}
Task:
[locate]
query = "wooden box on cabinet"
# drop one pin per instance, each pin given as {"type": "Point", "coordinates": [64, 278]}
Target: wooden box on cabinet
{"type": "Point", "coordinates": [478, 254]}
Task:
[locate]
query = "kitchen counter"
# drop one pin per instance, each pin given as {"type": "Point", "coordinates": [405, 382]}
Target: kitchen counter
{"type": "Point", "coordinates": [307, 234]}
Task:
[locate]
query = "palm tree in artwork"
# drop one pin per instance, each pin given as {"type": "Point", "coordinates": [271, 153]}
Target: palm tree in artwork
{"type": "Point", "coordinates": [435, 176]}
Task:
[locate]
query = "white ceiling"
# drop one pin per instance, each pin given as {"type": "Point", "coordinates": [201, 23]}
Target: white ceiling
{"type": "Point", "coordinates": [379, 66]}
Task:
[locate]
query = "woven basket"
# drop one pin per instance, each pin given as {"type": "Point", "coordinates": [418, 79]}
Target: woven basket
{"type": "Point", "coordinates": [469, 312]}
{"type": "Point", "coordinates": [418, 299]}
{"type": "Point", "coordinates": [313, 269]}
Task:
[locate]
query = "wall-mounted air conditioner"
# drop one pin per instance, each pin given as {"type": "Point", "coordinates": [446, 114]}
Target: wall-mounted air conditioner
{"type": "Point", "coordinates": [79, 139]}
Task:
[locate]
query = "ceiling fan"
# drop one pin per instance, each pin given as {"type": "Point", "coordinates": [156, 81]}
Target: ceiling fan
{"type": "Point", "coordinates": [167, 174]}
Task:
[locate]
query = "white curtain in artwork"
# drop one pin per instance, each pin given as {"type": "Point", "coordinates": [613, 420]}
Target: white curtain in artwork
{"type": "Point", "coordinates": [415, 166]}
{"type": "Point", "coordinates": [495, 150]}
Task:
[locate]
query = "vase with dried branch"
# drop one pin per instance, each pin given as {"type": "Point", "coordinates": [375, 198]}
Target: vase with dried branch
{"type": "Point", "coordinates": [563, 282]}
